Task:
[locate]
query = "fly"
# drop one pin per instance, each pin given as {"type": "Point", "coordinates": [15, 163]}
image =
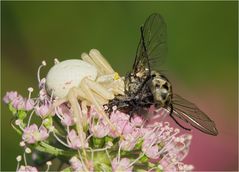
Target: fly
{"type": "Point", "coordinates": [146, 86]}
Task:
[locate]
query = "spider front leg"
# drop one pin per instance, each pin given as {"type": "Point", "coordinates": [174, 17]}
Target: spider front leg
{"type": "Point", "coordinates": [88, 86]}
{"type": "Point", "coordinates": [78, 118]}
{"type": "Point", "coordinates": [96, 59]}
{"type": "Point", "coordinates": [107, 77]}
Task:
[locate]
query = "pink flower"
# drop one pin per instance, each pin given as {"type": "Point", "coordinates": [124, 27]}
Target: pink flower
{"type": "Point", "coordinates": [100, 129]}
{"type": "Point", "coordinates": [121, 165]}
{"type": "Point", "coordinates": [149, 146]}
{"type": "Point", "coordinates": [179, 147]}
{"type": "Point", "coordinates": [67, 120]}
{"type": "Point", "coordinates": [10, 96]}
{"type": "Point", "coordinates": [42, 110]}
{"type": "Point", "coordinates": [65, 115]}
{"type": "Point", "coordinates": [150, 137]}
{"type": "Point", "coordinates": [32, 134]}
{"type": "Point", "coordinates": [43, 133]}
{"type": "Point", "coordinates": [120, 120]}
{"type": "Point", "coordinates": [27, 169]}
{"type": "Point", "coordinates": [130, 140]}
{"type": "Point", "coordinates": [18, 103]}
{"type": "Point", "coordinates": [29, 104]}
{"type": "Point", "coordinates": [43, 94]}
{"type": "Point", "coordinates": [74, 140]}
{"type": "Point", "coordinates": [128, 128]}
{"type": "Point", "coordinates": [137, 121]}
{"type": "Point", "coordinates": [76, 164]}
{"type": "Point", "coordinates": [152, 152]}
{"type": "Point", "coordinates": [42, 83]}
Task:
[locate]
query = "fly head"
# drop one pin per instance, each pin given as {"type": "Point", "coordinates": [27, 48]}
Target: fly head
{"type": "Point", "coordinates": [161, 89]}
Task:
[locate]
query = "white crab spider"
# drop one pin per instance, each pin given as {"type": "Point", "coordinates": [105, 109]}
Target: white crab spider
{"type": "Point", "coordinates": [90, 80]}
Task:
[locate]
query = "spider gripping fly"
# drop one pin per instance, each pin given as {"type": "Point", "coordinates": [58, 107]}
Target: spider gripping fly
{"type": "Point", "coordinates": [145, 86]}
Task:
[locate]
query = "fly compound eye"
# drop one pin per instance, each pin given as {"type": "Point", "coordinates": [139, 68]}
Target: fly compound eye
{"type": "Point", "coordinates": [165, 86]}
{"type": "Point", "coordinates": [157, 86]}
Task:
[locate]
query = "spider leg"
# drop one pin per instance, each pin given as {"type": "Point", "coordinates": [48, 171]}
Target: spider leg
{"type": "Point", "coordinates": [82, 96]}
{"type": "Point", "coordinates": [57, 103]}
{"type": "Point", "coordinates": [112, 84]}
{"type": "Point", "coordinates": [99, 89]}
{"type": "Point", "coordinates": [106, 75]}
{"type": "Point", "coordinates": [100, 61]}
{"type": "Point", "coordinates": [78, 117]}
{"type": "Point", "coordinates": [87, 88]}
{"type": "Point", "coordinates": [85, 57]}
{"type": "Point", "coordinates": [77, 112]}
{"type": "Point", "coordinates": [96, 59]}
{"type": "Point", "coordinates": [171, 115]}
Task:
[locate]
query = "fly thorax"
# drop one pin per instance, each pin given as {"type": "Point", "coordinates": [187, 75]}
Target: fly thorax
{"type": "Point", "coordinates": [161, 89]}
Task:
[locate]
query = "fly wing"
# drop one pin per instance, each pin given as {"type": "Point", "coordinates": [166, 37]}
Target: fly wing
{"type": "Point", "coordinates": [152, 46]}
{"type": "Point", "coordinates": [190, 113]}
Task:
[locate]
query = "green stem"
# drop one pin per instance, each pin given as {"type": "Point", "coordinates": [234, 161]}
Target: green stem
{"type": "Point", "coordinates": [44, 147]}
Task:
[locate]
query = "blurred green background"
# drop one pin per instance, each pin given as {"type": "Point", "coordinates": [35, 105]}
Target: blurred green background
{"type": "Point", "coordinates": [202, 61]}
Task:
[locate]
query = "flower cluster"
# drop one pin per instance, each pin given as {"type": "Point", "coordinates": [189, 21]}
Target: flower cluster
{"type": "Point", "coordinates": [137, 144]}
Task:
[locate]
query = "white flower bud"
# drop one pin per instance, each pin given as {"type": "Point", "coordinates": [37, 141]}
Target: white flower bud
{"type": "Point", "coordinates": [19, 158]}
{"type": "Point", "coordinates": [28, 150]}
{"type": "Point", "coordinates": [52, 128]}
{"type": "Point", "coordinates": [56, 61]}
{"type": "Point", "coordinates": [18, 122]}
{"type": "Point", "coordinates": [49, 163]}
{"type": "Point", "coordinates": [22, 144]}
{"type": "Point", "coordinates": [30, 89]}
{"type": "Point", "coordinates": [43, 63]}
{"type": "Point", "coordinates": [109, 143]}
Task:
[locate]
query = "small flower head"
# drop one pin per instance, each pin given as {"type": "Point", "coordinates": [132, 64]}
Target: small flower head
{"type": "Point", "coordinates": [27, 169]}
{"type": "Point", "coordinates": [76, 164]}
{"type": "Point", "coordinates": [42, 110]}
{"type": "Point", "coordinates": [32, 134]}
{"type": "Point", "coordinates": [120, 120]}
{"type": "Point", "coordinates": [18, 103]}
{"type": "Point", "coordinates": [65, 114]}
{"type": "Point", "coordinates": [100, 129]}
{"type": "Point", "coordinates": [29, 104]}
{"type": "Point", "coordinates": [121, 165]}
{"type": "Point", "coordinates": [10, 96]}
{"type": "Point", "coordinates": [75, 141]}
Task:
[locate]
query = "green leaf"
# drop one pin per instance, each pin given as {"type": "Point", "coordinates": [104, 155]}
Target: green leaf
{"type": "Point", "coordinates": [104, 167]}
{"type": "Point", "coordinates": [12, 109]}
{"type": "Point", "coordinates": [68, 169]}
{"type": "Point", "coordinates": [139, 143]}
{"type": "Point", "coordinates": [144, 159]}
{"type": "Point", "coordinates": [21, 114]}
{"type": "Point", "coordinates": [16, 129]}
{"type": "Point", "coordinates": [108, 139]}
{"type": "Point", "coordinates": [140, 170]}
{"type": "Point", "coordinates": [44, 147]}
{"type": "Point", "coordinates": [98, 142]}
{"type": "Point", "coordinates": [47, 122]}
